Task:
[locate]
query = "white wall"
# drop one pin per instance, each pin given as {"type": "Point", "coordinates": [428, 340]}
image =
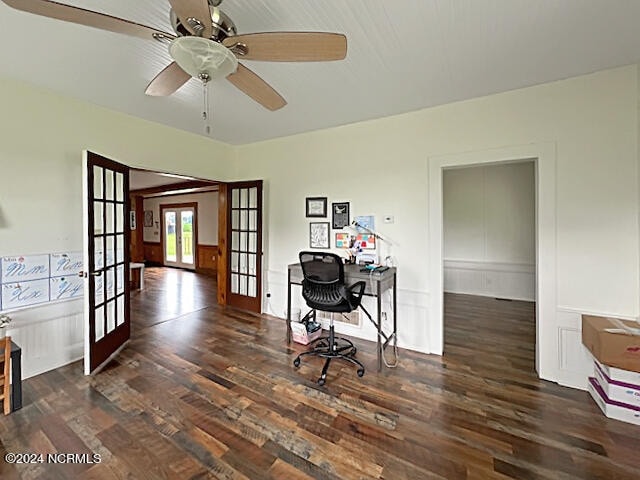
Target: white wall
{"type": "Point", "coordinates": [382, 167]}
{"type": "Point", "coordinates": [489, 230]}
{"type": "Point", "coordinates": [207, 215]}
{"type": "Point", "coordinates": [42, 136]}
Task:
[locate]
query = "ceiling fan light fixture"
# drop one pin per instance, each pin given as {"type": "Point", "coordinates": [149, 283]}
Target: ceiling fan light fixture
{"type": "Point", "coordinates": [201, 57]}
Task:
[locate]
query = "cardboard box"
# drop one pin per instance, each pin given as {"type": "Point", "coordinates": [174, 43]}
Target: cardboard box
{"type": "Point", "coordinates": [618, 375]}
{"type": "Point", "coordinates": [611, 408]}
{"type": "Point", "coordinates": [615, 390]}
{"type": "Point", "coordinates": [300, 335]}
{"type": "Point", "coordinates": [610, 344]}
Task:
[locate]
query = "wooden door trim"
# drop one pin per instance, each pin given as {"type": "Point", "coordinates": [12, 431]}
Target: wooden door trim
{"type": "Point", "coordinates": [175, 186]}
{"type": "Point", "coordinates": [173, 206]}
{"type": "Point", "coordinates": [139, 237]}
{"type": "Point", "coordinates": [223, 264]}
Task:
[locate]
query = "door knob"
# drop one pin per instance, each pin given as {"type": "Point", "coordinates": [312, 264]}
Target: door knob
{"type": "Point", "coordinates": [83, 274]}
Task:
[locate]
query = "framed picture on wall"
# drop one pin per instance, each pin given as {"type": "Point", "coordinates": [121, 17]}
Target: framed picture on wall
{"type": "Point", "coordinates": [340, 214]}
{"type": "Point", "coordinates": [148, 218]}
{"type": "Point", "coordinates": [316, 207]}
{"type": "Point", "coordinates": [132, 219]}
{"type": "Point", "coordinates": [319, 235]}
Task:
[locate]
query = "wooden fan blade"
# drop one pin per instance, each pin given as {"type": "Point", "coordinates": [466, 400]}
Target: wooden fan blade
{"type": "Point", "coordinates": [167, 81]}
{"type": "Point", "coordinates": [254, 86]}
{"type": "Point", "coordinates": [198, 9]}
{"type": "Point", "coordinates": [290, 46]}
{"type": "Point", "coordinates": [89, 18]}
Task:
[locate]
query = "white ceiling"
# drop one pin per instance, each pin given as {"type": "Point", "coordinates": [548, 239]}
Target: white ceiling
{"type": "Point", "coordinates": [403, 55]}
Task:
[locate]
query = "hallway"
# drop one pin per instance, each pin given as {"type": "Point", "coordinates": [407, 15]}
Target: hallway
{"type": "Point", "coordinates": [170, 293]}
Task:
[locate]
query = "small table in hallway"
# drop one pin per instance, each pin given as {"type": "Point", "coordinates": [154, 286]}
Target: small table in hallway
{"type": "Point", "coordinates": [140, 268]}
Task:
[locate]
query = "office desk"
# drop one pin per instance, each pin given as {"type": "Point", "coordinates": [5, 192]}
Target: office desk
{"type": "Point", "coordinates": [375, 285]}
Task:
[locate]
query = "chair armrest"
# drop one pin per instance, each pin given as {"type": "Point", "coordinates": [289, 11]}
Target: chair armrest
{"type": "Point", "coordinates": [360, 289]}
{"type": "Point", "coordinates": [353, 294]}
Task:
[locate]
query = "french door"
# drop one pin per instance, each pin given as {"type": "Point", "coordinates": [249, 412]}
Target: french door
{"type": "Point", "coordinates": [179, 235]}
{"type": "Point", "coordinates": [244, 234]}
{"type": "Point", "coordinates": [106, 259]}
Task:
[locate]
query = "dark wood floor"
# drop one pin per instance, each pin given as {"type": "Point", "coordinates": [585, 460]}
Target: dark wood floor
{"type": "Point", "coordinates": [213, 394]}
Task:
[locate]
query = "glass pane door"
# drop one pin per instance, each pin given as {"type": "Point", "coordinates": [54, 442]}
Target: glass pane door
{"type": "Point", "coordinates": [245, 234]}
{"type": "Point", "coordinates": [170, 239]}
{"type": "Point", "coordinates": [179, 235]}
{"type": "Point", "coordinates": [187, 240]}
{"type": "Point", "coordinates": [106, 250]}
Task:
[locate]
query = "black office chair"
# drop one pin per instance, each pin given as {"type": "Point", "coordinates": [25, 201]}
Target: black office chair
{"type": "Point", "coordinates": [323, 288]}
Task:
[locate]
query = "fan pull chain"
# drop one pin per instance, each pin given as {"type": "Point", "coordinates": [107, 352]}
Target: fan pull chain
{"type": "Point", "coordinates": [205, 111]}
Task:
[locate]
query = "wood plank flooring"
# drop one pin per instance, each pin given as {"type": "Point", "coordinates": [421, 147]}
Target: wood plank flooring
{"type": "Point", "coordinates": [213, 394]}
{"type": "Point", "coordinates": [170, 293]}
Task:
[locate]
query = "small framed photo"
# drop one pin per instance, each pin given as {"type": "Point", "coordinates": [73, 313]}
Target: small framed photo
{"type": "Point", "coordinates": [319, 235]}
{"type": "Point", "coordinates": [316, 207]}
{"type": "Point", "coordinates": [148, 218]}
{"type": "Point", "coordinates": [132, 219]}
{"type": "Point", "coordinates": [340, 214]}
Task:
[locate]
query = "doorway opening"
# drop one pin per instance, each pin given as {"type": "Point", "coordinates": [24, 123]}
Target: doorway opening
{"type": "Point", "coordinates": [489, 266]}
{"type": "Point", "coordinates": [135, 219]}
{"type": "Point", "coordinates": [543, 156]}
{"type": "Point", "coordinates": [211, 228]}
{"type": "Point", "coordinates": [175, 239]}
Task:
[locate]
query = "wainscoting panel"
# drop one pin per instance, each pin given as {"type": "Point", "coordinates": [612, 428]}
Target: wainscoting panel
{"type": "Point", "coordinates": [207, 258]}
{"type": "Point", "coordinates": [50, 336]}
{"type": "Point", "coordinates": [153, 252]}
{"type": "Point", "coordinates": [575, 363]}
{"type": "Point", "coordinates": [515, 281]}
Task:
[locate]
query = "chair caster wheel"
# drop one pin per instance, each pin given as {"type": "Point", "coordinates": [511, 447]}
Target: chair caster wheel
{"type": "Point", "coordinates": [296, 362]}
{"type": "Point", "coordinates": [361, 372]}
{"type": "Point", "coordinates": [321, 381]}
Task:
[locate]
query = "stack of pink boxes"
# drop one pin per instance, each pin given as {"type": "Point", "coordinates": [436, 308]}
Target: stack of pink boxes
{"type": "Point", "coordinates": [615, 385]}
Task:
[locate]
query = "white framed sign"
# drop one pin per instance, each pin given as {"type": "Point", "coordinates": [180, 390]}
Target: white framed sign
{"type": "Point", "coordinates": [23, 268]}
{"type": "Point", "coordinates": [24, 294]}
{"type": "Point", "coordinates": [65, 264]}
{"type": "Point", "coordinates": [63, 288]}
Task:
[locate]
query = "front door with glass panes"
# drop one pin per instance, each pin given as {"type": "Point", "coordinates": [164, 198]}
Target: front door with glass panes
{"type": "Point", "coordinates": [106, 258]}
{"type": "Point", "coordinates": [178, 235]}
{"type": "Point", "coordinates": [245, 254]}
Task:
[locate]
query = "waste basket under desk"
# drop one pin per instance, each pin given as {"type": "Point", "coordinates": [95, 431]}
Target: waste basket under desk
{"type": "Point", "coordinates": [375, 285]}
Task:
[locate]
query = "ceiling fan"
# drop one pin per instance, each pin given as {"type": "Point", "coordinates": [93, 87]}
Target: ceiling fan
{"type": "Point", "coordinates": [206, 45]}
